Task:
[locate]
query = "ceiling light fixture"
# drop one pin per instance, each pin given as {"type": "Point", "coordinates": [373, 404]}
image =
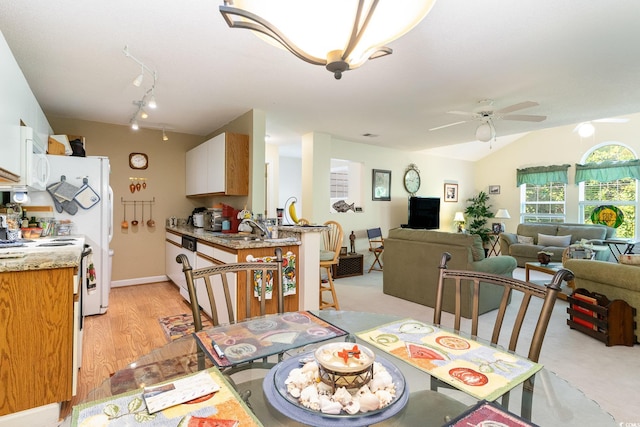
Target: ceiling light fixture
{"type": "Point", "coordinates": [485, 132]}
{"type": "Point", "coordinates": [338, 34]}
{"type": "Point", "coordinates": [585, 130]}
{"type": "Point", "coordinates": [149, 97]}
{"type": "Point", "coordinates": [134, 124]}
{"type": "Point", "coordinates": [152, 100]}
{"type": "Point", "coordinates": [164, 135]}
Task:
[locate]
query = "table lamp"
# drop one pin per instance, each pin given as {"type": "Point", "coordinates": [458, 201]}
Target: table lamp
{"type": "Point", "coordinates": [458, 219]}
{"type": "Point", "coordinates": [502, 214]}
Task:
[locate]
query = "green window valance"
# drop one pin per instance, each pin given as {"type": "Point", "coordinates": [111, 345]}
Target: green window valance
{"type": "Point", "coordinates": [540, 175]}
{"type": "Point", "coordinates": [608, 170]}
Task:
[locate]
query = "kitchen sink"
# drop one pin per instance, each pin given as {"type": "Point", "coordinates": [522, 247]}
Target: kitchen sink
{"type": "Point", "coordinates": [241, 237]}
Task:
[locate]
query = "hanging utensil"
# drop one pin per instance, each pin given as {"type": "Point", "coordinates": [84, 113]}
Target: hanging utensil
{"type": "Point", "coordinates": [151, 222]}
{"type": "Point", "coordinates": [142, 221]}
{"type": "Point", "coordinates": [124, 224]}
{"type": "Point", "coordinates": [135, 221]}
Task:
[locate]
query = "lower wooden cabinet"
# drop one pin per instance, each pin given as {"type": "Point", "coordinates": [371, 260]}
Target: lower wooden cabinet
{"type": "Point", "coordinates": [36, 338]}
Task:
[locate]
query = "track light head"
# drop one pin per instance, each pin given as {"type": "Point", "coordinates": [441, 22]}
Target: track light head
{"type": "Point", "coordinates": [138, 80]}
{"type": "Point", "coordinates": [134, 124]}
{"type": "Point", "coordinates": [143, 114]}
{"type": "Point", "coordinates": [164, 135]}
{"type": "Point", "coordinates": [152, 101]}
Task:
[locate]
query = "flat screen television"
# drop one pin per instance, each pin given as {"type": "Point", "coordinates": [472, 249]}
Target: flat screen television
{"type": "Point", "coordinates": [424, 212]}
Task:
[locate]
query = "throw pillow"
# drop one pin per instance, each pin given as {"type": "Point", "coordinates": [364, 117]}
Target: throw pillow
{"type": "Point", "coordinates": [630, 259]}
{"type": "Point", "coordinates": [477, 250]}
{"type": "Point", "coordinates": [525, 239]}
{"type": "Point", "coordinates": [559, 241]}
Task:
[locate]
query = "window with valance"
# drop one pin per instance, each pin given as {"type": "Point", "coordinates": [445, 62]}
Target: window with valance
{"type": "Point", "coordinates": [541, 175]}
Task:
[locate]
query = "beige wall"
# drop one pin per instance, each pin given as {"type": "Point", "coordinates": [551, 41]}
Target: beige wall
{"type": "Point", "coordinates": [138, 252]}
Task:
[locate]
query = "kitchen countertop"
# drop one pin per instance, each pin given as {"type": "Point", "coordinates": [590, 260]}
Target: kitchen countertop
{"type": "Point", "coordinates": [39, 258]}
{"type": "Point", "coordinates": [233, 241]}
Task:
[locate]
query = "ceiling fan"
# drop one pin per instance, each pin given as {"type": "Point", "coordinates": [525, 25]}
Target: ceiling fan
{"type": "Point", "coordinates": [486, 114]}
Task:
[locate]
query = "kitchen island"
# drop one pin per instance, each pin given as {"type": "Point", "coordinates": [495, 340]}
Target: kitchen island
{"type": "Point", "coordinates": [220, 248]}
{"type": "Point", "coordinates": [39, 327]}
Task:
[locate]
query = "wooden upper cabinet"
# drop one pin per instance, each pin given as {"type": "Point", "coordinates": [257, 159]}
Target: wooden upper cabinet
{"type": "Point", "coordinates": [219, 166]}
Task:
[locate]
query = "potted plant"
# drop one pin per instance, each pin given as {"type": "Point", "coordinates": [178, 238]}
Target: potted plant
{"type": "Point", "coordinates": [478, 213]}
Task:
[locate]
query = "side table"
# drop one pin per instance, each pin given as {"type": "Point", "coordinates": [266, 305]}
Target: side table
{"type": "Point", "coordinates": [495, 246]}
{"type": "Point", "coordinates": [613, 247]}
{"type": "Point", "coordinates": [551, 268]}
{"type": "Point", "coordinates": [348, 265]}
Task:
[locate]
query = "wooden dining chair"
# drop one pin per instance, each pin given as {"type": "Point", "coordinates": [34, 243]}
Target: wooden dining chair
{"type": "Point", "coordinates": [216, 281]}
{"type": "Point", "coordinates": [303, 221]}
{"type": "Point", "coordinates": [376, 246]}
{"type": "Point", "coordinates": [329, 254]}
{"type": "Point", "coordinates": [460, 281]}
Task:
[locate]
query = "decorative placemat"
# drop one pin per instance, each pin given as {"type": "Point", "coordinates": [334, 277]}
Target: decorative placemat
{"type": "Point", "coordinates": [129, 409]}
{"type": "Point", "coordinates": [177, 326]}
{"type": "Point", "coordinates": [488, 414]}
{"type": "Point", "coordinates": [480, 370]}
{"type": "Point", "coordinates": [264, 336]}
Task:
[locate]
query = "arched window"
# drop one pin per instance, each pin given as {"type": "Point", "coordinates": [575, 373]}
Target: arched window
{"type": "Point", "coordinates": [605, 186]}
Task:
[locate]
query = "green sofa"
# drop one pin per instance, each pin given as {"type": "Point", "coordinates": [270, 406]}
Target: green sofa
{"type": "Point", "coordinates": [528, 252]}
{"type": "Point", "coordinates": [615, 281]}
{"type": "Point", "coordinates": [411, 259]}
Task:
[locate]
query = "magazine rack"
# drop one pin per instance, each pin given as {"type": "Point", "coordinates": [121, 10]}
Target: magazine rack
{"type": "Point", "coordinates": [611, 322]}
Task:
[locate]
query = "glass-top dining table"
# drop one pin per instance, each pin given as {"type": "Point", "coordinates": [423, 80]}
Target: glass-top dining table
{"type": "Point", "coordinates": [555, 402]}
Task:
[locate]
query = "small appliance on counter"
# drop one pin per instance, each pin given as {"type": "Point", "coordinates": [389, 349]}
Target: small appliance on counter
{"type": "Point", "coordinates": [213, 219]}
{"type": "Point", "coordinates": [197, 217]}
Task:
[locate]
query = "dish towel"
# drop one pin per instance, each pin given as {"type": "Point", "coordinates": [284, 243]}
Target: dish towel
{"type": "Point", "coordinates": [288, 276]}
{"type": "Point", "coordinates": [91, 275]}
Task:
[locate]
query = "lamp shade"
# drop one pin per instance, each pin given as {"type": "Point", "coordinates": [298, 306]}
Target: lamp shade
{"type": "Point", "coordinates": [459, 217]}
{"type": "Point", "coordinates": [485, 132]}
{"type": "Point", "coordinates": [344, 33]}
{"type": "Point", "coordinates": [502, 213]}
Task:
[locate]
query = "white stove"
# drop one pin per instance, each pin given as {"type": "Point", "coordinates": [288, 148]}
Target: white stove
{"type": "Point", "coordinates": [43, 244]}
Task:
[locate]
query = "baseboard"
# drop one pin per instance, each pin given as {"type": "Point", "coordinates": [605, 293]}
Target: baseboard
{"type": "Point", "coordinates": [139, 281]}
{"type": "Point", "coordinates": [42, 416]}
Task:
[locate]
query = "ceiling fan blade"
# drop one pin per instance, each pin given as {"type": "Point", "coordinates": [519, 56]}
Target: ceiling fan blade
{"type": "Point", "coordinates": [516, 107]}
{"type": "Point", "coordinates": [462, 113]}
{"type": "Point", "coordinates": [450, 124]}
{"type": "Point", "coordinates": [612, 120]}
{"type": "Point", "coordinates": [524, 117]}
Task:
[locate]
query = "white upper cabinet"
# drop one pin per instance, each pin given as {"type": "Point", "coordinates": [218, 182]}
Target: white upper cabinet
{"type": "Point", "coordinates": [17, 104]}
{"type": "Point", "coordinates": [219, 166]}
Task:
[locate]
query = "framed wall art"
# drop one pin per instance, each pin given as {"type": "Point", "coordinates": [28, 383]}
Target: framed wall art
{"type": "Point", "coordinates": [494, 189]}
{"type": "Point", "coordinates": [380, 184]}
{"type": "Point", "coordinates": [451, 192]}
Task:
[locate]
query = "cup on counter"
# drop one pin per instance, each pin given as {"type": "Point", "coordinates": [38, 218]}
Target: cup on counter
{"type": "Point", "coordinates": [226, 225]}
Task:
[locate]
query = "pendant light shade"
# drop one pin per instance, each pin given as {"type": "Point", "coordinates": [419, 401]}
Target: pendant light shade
{"type": "Point", "coordinates": [339, 34]}
{"type": "Point", "coordinates": [485, 132]}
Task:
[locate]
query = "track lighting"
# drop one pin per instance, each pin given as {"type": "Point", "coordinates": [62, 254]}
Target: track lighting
{"type": "Point", "coordinates": [164, 135]}
{"type": "Point", "coordinates": [134, 124]}
{"type": "Point", "coordinates": [152, 100]}
{"type": "Point", "coordinates": [138, 80]}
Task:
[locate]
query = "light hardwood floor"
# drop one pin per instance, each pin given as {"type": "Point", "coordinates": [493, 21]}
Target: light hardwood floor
{"type": "Point", "coordinates": [128, 330]}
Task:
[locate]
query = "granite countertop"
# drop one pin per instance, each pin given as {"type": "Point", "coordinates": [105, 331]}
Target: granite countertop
{"type": "Point", "coordinates": [40, 260]}
{"type": "Point", "coordinates": [235, 240]}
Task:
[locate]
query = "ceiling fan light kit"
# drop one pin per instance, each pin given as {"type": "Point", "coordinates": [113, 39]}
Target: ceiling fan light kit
{"type": "Point", "coordinates": [486, 114]}
{"type": "Point", "coordinates": [485, 132]}
{"type": "Point", "coordinates": [338, 34]}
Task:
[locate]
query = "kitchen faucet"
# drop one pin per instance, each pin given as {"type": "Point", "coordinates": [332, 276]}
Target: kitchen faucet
{"type": "Point", "coordinates": [260, 225]}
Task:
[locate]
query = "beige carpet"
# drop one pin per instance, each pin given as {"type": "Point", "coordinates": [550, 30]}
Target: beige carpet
{"type": "Point", "coordinates": [608, 375]}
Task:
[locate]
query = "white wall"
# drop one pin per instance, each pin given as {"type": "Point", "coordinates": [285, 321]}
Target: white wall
{"type": "Point", "coordinates": [434, 172]}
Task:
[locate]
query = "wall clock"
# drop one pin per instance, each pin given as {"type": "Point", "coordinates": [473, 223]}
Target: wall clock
{"type": "Point", "coordinates": [138, 161]}
{"type": "Point", "coordinates": [412, 179]}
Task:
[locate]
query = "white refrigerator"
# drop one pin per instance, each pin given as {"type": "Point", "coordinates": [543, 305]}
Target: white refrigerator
{"type": "Point", "coordinates": [95, 222]}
